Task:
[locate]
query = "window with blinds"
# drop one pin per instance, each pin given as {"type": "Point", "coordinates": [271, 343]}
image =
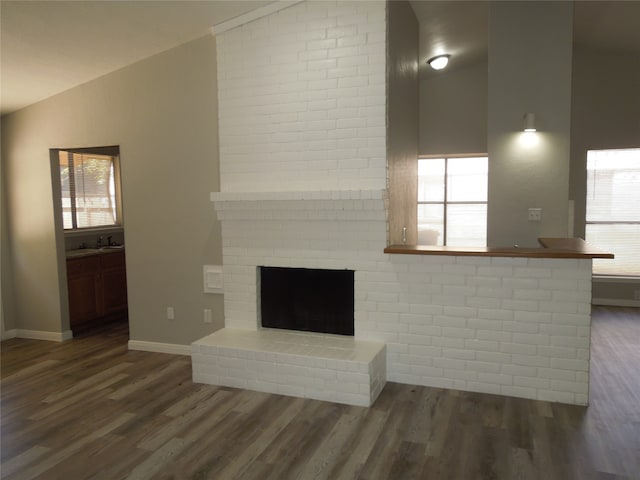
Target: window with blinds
{"type": "Point", "coordinates": [452, 201]}
{"type": "Point", "coordinates": [613, 212]}
{"type": "Point", "coordinates": [89, 190]}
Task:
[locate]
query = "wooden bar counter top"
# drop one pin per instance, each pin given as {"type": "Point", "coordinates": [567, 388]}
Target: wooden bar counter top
{"type": "Point", "coordinates": [552, 247]}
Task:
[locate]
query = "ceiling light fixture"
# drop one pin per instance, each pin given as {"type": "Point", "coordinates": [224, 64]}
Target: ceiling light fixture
{"type": "Point", "coordinates": [529, 122]}
{"type": "Point", "coordinates": [439, 61]}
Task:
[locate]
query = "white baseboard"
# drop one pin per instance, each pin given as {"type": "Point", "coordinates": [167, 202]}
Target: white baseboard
{"type": "Point", "coordinates": [172, 348]}
{"type": "Point", "coordinates": [8, 334]}
{"type": "Point", "coordinates": [38, 335]}
{"type": "Point", "coordinates": [615, 302]}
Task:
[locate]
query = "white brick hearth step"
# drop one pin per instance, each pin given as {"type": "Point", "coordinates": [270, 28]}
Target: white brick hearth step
{"type": "Point", "coordinates": [334, 368]}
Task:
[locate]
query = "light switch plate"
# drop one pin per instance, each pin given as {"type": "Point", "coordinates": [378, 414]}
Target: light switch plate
{"type": "Point", "coordinates": [213, 282]}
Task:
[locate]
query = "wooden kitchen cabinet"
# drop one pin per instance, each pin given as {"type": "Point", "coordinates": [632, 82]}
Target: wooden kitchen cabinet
{"type": "Point", "coordinates": [114, 283]}
{"type": "Point", "coordinates": [97, 287]}
{"type": "Point", "coordinates": [83, 285]}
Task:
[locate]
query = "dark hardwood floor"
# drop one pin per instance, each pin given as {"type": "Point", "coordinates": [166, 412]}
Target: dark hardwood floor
{"type": "Point", "coordinates": [90, 409]}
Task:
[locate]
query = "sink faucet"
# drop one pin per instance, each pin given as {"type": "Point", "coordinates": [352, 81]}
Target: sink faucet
{"type": "Point", "coordinates": [99, 241]}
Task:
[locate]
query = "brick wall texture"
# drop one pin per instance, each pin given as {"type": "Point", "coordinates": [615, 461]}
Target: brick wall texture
{"type": "Point", "coordinates": [302, 96]}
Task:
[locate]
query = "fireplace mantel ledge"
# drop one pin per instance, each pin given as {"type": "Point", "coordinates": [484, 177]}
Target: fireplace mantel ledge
{"type": "Point", "coordinates": [378, 194]}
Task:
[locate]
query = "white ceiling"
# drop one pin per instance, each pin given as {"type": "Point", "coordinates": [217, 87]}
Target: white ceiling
{"type": "Point", "coordinates": [460, 28]}
{"type": "Point", "coordinates": [50, 46]}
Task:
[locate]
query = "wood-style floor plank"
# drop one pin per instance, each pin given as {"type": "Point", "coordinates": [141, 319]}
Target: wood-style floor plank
{"type": "Point", "coordinates": [90, 409]}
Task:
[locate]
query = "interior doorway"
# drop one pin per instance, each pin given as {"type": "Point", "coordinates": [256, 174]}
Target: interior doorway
{"type": "Point", "coordinates": [90, 233]}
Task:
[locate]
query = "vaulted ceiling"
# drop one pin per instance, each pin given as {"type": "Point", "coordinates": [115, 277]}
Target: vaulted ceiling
{"type": "Point", "coordinates": [50, 46]}
{"type": "Point", "coordinates": [461, 28]}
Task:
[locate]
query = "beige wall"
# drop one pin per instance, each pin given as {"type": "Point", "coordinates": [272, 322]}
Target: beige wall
{"type": "Point", "coordinates": [605, 114]}
{"type": "Point", "coordinates": [30, 261]}
{"type": "Point", "coordinates": [453, 111]}
{"type": "Point", "coordinates": [6, 293]}
{"type": "Point", "coordinates": [162, 112]}
{"type": "Point", "coordinates": [402, 123]}
{"type": "Point", "coordinates": [528, 72]}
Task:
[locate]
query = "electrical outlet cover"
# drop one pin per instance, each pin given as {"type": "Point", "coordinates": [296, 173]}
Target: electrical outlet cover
{"type": "Point", "coordinates": [535, 214]}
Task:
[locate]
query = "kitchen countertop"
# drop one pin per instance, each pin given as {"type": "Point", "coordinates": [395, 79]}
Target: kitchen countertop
{"type": "Point", "coordinates": [86, 252]}
{"type": "Point", "coordinates": [551, 248]}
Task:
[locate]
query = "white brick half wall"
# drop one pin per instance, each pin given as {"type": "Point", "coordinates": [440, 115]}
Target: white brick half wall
{"type": "Point", "coordinates": [511, 326]}
{"type": "Point", "coordinates": [302, 99]}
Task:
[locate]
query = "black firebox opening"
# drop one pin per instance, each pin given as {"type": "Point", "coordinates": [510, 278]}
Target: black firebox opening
{"type": "Point", "coordinates": [307, 299]}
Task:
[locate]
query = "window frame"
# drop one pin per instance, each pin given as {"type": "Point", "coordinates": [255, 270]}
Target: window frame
{"type": "Point", "coordinates": [587, 222]}
{"type": "Point", "coordinates": [446, 202]}
{"type": "Point", "coordinates": [118, 224]}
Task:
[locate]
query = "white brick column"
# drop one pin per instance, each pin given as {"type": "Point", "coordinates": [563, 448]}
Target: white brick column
{"type": "Point", "coordinates": [302, 99]}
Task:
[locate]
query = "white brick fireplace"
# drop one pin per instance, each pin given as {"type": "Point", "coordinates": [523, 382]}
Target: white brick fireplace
{"type": "Point", "coordinates": [303, 230]}
{"type": "Point", "coordinates": [511, 326]}
{"type": "Point", "coordinates": [302, 102]}
{"type": "Point", "coordinates": [332, 230]}
{"type": "Point", "coordinates": [302, 110]}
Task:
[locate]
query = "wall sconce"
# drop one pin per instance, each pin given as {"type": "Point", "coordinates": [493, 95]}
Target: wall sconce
{"type": "Point", "coordinates": [529, 122]}
{"type": "Point", "coordinates": [439, 61]}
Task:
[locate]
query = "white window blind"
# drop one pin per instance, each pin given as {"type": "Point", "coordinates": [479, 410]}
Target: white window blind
{"type": "Point", "coordinates": [88, 185]}
{"type": "Point", "coordinates": [452, 201]}
{"type": "Point", "coordinates": [613, 209]}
